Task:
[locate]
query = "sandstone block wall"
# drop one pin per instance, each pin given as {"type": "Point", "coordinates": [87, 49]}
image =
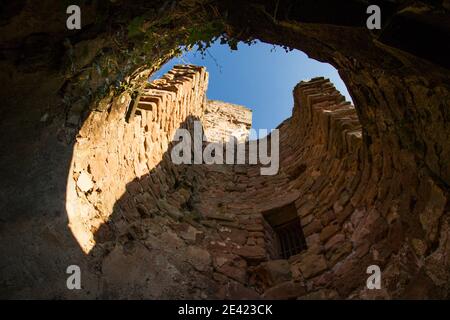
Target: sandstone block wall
{"type": "Point", "coordinates": [112, 150]}
{"type": "Point", "coordinates": [147, 228]}
{"type": "Point", "coordinates": [398, 182]}
{"type": "Point", "coordinates": [357, 206]}
{"type": "Point", "coordinates": [320, 150]}
{"type": "Point", "coordinates": [222, 120]}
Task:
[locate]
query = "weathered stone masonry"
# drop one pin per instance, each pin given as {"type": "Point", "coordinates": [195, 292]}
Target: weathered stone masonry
{"type": "Point", "coordinates": [222, 120]}
{"type": "Point", "coordinates": [110, 152]}
{"type": "Point", "coordinates": [207, 226]}
{"type": "Point", "coordinates": [386, 201]}
{"type": "Point", "coordinates": [145, 228]}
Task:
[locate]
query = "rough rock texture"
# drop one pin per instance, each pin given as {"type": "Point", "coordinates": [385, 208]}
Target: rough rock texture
{"type": "Point", "coordinates": [152, 229]}
{"type": "Point", "coordinates": [373, 191]}
{"type": "Point", "coordinates": [115, 147]}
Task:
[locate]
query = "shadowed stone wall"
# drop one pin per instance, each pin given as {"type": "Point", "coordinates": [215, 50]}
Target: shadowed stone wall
{"type": "Point", "coordinates": [376, 196]}
{"type": "Point", "coordinates": [111, 151]}
{"type": "Point", "coordinates": [136, 213]}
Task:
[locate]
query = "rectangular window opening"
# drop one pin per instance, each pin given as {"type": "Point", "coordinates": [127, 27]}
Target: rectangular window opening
{"type": "Point", "coordinates": [283, 232]}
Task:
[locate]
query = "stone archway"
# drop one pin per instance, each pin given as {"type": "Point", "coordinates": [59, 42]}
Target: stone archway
{"type": "Point", "coordinates": [401, 94]}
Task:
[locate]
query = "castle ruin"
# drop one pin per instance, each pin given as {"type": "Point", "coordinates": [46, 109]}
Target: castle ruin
{"type": "Point", "coordinates": [87, 177]}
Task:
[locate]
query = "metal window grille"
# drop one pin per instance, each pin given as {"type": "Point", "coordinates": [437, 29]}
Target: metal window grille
{"type": "Point", "coordinates": [290, 238]}
{"type": "Point", "coordinates": [286, 236]}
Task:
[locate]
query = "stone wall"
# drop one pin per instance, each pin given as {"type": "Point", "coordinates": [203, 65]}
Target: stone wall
{"type": "Point", "coordinates": [144, 227]}
{"type": "Point", "coordinates": [399, 184]}
{"type": "Point", "coordinates": [111, 150]}
{"type": "Point", "coordinates": [223, 120]}
{"type": "Point", "coordinates": [205, 225]}
{"type": "Point", "coordinates": [319, 173]}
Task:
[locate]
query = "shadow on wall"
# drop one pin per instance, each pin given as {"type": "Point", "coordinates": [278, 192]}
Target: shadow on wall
{"type": "Point", "coordinates": [153, 244]}
{"type": "Point", "coordinates": [36, 245]}
{"type": "Point", "coordinates": [190, 231]}
{"type": "Point", "coordinates": [163, 241]}
{"type": "Point", "coordinates": [144, 236]}
{"type": "Point", "coordinates": [404, 187]}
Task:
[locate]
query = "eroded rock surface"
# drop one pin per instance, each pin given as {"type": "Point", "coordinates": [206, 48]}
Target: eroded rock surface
{"type": "Point", "coordinates": [86, 183]}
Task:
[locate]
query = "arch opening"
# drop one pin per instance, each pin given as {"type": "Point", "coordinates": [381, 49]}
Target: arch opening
{"type": "Point", "coordinates": [370, 184]}
{"type": "Point", "coordinates": [222, 206]}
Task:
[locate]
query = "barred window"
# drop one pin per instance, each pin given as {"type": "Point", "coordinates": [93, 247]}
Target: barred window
{"type": "Point", "coordinates": [285, 232]}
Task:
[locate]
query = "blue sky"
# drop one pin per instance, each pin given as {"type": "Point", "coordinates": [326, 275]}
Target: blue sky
{"type": "Point", "coordinates": [260, 77]}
